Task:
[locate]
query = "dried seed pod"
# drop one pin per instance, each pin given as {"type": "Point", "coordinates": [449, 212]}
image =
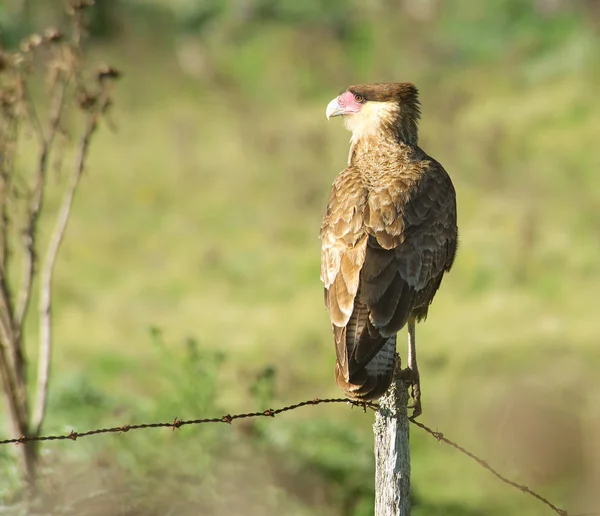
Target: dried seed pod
{"type": "Point", "coordinates": [78, 5]}
{"type": "Point", "coordinates": [108, 72]}
{"type": "Point", "coordinates": [86, 100]}
{"type": "Point", "coordinates": [30, 43]}
{"type": "Point", "coordinates": [53, 35]}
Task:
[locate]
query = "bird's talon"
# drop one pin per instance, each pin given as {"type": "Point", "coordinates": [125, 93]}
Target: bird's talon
{"type": "Point", "coordinates": [407, 375]}
{"type": "Point", "coordinates": [411, 377]}
{"type": "Point", "coordinates": [417, 410]}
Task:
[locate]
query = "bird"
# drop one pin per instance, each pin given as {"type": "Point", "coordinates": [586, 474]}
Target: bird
{"type": "Point", "coordinates": [388, 236]}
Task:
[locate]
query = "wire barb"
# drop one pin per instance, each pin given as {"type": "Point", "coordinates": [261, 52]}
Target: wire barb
{"type": "Point", "coordinates": [228, 418]}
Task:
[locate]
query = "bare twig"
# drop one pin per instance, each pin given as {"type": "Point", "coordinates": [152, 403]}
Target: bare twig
{"type": "Point", "coordinates": [9, 383]}
{"type": "Point", "coordinates": [7, 152]}
{"type": "Point", "coordinates": [7, 370]}
{"type": "Point", "coordinates": [47, 273]}
{"type": "Point", "coordinates": [30, 234]}
{"type": "Point", "coordinates": [6, 327]}
{"type": "Point", "coordinates": [4, 230]}
{"type": "Point", "coordinates": [64, 63]}
{"type": "Point", "coordinates": [7, 148]}
{"type": "Point", "coordinates": [10, 362]}
{"type": "Point", "coordinates": [11, 321]}
{"type": "Point", "coordinates": [30, 109]}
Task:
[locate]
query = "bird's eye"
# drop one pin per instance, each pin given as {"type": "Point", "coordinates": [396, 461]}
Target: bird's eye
{"type": "Point", "coordinates": [359, 98]}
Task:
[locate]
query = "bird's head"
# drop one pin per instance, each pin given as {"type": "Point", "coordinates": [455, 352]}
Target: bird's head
{"type": "Point", "coordinates": [379, 110]}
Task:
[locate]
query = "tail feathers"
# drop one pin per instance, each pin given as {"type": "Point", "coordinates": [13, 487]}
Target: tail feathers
{"type": "Point", "coordinates": [358, 342]}
{"type": "Point", "coordinates": [365, 358]}
{"type": "Point", "coordinates": [373, 380]}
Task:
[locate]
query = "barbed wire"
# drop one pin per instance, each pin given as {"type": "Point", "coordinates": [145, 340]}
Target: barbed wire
{"type": "Point", "coordinates": [228, 419]}
{"type": "Point", "coordinates": [178, 423]}
{"type": "Point", "coordinates": [484, 464]}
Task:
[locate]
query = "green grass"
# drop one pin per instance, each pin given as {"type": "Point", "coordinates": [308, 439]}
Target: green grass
{"type": "Point", "coordinates": [199, 217]}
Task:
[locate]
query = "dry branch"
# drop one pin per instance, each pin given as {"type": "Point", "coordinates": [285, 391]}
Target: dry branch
{"type": "Point", "coordinates": [45, 324]}
{"type": "Point", "coordinates": [57, 94]}
{"type": "Point", "coordinates": [23, 209]}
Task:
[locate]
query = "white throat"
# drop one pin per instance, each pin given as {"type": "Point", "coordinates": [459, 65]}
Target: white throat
{"type": "Point", "coordinates": [371, 119]}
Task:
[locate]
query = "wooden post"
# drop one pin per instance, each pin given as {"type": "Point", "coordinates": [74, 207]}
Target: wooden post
{"type": "Point", "coordinates": [392, 452]}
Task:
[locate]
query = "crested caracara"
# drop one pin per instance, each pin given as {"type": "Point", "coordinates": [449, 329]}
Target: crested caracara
{"type": "Point", "coordinates": [388, 236]}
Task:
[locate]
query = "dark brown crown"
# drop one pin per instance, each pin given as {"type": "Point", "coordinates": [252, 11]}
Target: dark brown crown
{"type": "Point", "coordinates": [406, 95]}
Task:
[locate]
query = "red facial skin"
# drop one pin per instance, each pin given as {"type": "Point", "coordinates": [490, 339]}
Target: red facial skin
{"type": "Point", "coordinates": [348, 103]}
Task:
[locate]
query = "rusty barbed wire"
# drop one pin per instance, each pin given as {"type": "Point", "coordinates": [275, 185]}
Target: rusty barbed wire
{"type": "Point", "coordinates": [228, 419]}
{"type": "Point", "coordinates": [178, 423]}
{"type": "Point", "coordinates": [440, 437]}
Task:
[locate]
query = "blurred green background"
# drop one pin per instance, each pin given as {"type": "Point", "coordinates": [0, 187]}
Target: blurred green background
{"type": "Point", "coordinates": [188, 285]}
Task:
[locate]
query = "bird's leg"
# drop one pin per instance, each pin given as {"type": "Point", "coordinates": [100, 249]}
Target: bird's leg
{"type": "Point", "coordinates": [411, 374]}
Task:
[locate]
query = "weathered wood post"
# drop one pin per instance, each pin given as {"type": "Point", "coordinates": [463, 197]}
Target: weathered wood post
{"type": "Point", "coordinates": [392, 451]}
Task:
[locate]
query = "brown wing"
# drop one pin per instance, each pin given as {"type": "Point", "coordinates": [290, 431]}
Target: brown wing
{"type": "Point", "coordinates": [344, 240]}
{"type": "Point", "coordinates": [384, 253]}
{"type": "Point", "coordinates": [412, 242]}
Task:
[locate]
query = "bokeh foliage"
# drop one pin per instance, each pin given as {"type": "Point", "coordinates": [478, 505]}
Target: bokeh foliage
{"type": "Point", "coordinates": [204, 221]}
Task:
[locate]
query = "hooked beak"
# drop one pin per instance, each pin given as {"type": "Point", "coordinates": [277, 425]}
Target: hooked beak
{"type": "Point", "coordinates": [334, 109]}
